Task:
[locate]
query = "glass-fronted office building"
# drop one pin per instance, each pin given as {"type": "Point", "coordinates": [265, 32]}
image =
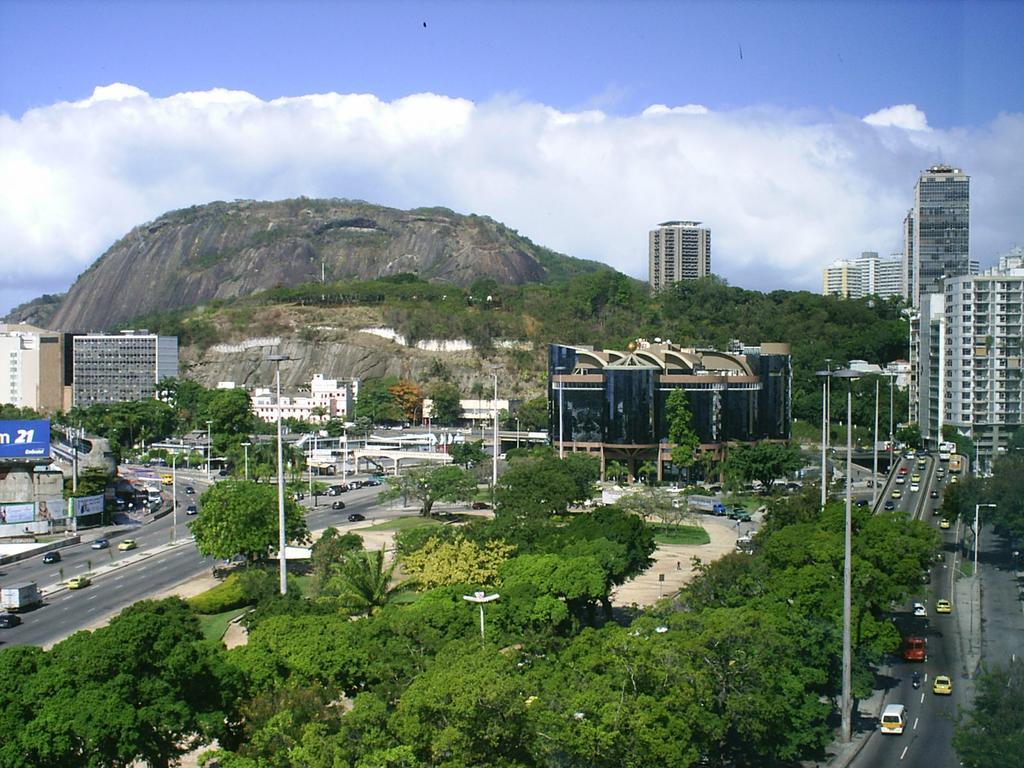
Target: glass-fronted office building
{"type": "Point", "coordinates": [611, 403]}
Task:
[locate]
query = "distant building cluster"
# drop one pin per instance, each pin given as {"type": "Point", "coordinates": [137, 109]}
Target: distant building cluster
{"type": "Point", "coordinates": [612, 403]}
{"type": "Point", "coordinates": [867, 276]}
{"type": "Point", "coordinates": [678, 250]}
{"type": "Point", "coordinates": [328, 399]}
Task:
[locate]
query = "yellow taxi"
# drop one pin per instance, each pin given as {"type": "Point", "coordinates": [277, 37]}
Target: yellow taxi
{"type": "Point", "coordinates": [896, 493]}
{"type": "Point", "coordinates": [167, 479]}
{"type": "Point", "coordinates": [944, 524]}
{"type": "Point", "coordinates": [915, 478]}
{"type": "Point", "coordinates": [127, 544]}
{"type": "Point", "coordinates": [77, 582]}
{"type": "Point", "coordinates": [943, 606]}
{"type": "Point", "coordinates": [942, 686]}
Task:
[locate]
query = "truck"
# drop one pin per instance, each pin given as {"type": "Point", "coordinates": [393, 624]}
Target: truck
{"type": "Point", "coordinates": [915, 649]}
{"type": "Point", "coordinates": [20, 597]}
{"type": "Point", "coordinates": [708, 504]}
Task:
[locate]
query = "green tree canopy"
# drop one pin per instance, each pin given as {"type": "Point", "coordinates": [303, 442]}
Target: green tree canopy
{"type": "Point", "coordinates": [991, 733]}
{"type": "Point", "coordinates": [765, 462]}
{"type": "Point", "coordinates": [445, 396]}
{"type": "Point", "coordinates": [242, 518]}
{"type": "Point", "coordinates": [680, 428]}
{"type": "Point", "coordinates": [431, 484]}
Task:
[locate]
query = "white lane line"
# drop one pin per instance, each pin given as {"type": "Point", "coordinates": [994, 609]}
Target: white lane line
{"type": "Point", "coordinates": [915, 723]}
{"type": "Point", "coordinates": [922, 698]}
{"type": "Point", "coordinates": [904, 753]}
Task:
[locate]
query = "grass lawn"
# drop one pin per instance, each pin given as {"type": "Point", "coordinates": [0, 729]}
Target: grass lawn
{"type": "Point", "coordinates": [215, 625]}
{"type": "Point", "coordinates": [402, 523]}
{"type": "Point", "coordinates": [681, 534]}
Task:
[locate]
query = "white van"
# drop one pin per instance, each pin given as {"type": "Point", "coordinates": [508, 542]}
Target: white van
{"type": "Point", "coordinates": [894, 719]}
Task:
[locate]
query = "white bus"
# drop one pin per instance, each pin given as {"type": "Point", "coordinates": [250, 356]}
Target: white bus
{"type": "Point", "coordinates": [946, 449]}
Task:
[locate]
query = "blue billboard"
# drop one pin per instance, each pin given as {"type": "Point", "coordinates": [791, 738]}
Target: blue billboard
{"type": "Point", "coordinates": [25, 439]}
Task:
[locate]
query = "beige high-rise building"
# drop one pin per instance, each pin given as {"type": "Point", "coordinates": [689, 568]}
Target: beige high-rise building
{"type": "Point", "coordinates": [33, 367]}
{"type": "Point", "coordinates": [678, 250]}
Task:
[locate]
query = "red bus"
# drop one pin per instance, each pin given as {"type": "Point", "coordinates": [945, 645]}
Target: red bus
{"type": "Point", "coordinates": [915, 649]}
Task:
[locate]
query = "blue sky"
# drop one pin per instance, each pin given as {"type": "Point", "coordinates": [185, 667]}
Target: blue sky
{"type": "Point", "coordinates": [538, 114]}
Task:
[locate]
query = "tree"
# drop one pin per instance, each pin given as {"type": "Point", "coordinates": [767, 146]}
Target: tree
{"type": "Point", "coordinates": [532, 415]}
{"type": "Point", "coordinates": [242, 518]}
{"type": "Point", "coordinates": [329, 552]}
{"type": "Point", "coordinates": [536, 487]}
{"type": "Point", "coordinates": [429, 485]}
{"type": "Point", "coordinates": [468, 453]}
{"type": "Point", "coordinates": [647, 471]}
{"type": "Point", "coordinates": [447, 408]}
{"type": "Point", "coordinates": [652, 503]}
{"type": "Point", "coordinates": [616, 470]}
{"type": "Point", "coordinates": [376, 403]}
{"type": "Point", "coordinates": [441, 563]}
{"type": "Point", "coordinates": [680, 428]}
{"type": "Point", "coordinates": [409, 398]}
{"type": "Point", "coordinates": [363, 582]}
{"type": "Point", "coordinates": [909, 434]}
{"type": "Point", "coordinates": [230, 410]}
{"type": "Point", "coordinates": [991, 733]}
{"type": "Point", "coordinates": [146, 687]}
{"type": "Point", "coordinates": [585, 470]}
{"type": "Point", "coordinates": [765, 462]}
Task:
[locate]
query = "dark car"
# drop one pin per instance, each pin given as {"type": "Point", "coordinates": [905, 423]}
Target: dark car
{"type": "Point", "coordinates": [480, 505]}
{"type": "Point", "coordinates": [223, 472]}
{"type": "Point", "coordinates": [355, 517]}
{"type": "Point", "coordinates": [9, 620]}
{"type": "Point", "coordinates": [890, 505]}
{"type": "Point", "coordinates": [372, 481]}
{"type": "Point", "coordinates": [189, 490]}
{"type": "Point", "coordinates": [191, 510]}
{"type": "Point", "coordinates": [862, 502]}
{"type": "Point", "coordinates": [52, 557]}
{"type": "Point", "coordinates": [339, 504]}
{"type": "Point", "coordinates": [934, 494]}
{"type": "Point", "coordinates": [337, 490]}
{"type": "Point", "coordinates": [100, 544]}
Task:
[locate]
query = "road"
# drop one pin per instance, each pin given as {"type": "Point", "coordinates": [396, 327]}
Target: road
{"type": "Point", "coordinates": [927, 741]}
{"type": "Point", "coordinates": [66, 611]}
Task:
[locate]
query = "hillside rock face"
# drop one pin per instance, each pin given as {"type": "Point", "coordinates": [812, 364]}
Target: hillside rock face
{"type": "Point", "coordinates": [224, 250]}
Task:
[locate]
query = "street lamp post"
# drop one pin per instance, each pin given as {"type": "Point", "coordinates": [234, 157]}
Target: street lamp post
{"type": "Point", "coordinates": [874, 453]}
{"type": "Point", "coordinates": [278, 359]}
{"type": "Point", "coordinates": [825, 375]}
{"type": "Point", "coordinates": [209, 448]}
{"type": "Point", "coordinates": [174, 497]}
{"type": "Point", "coordinates": [245, 447]}
{"type": "Point", "coordinates": [892, 436]}
{"type": "Point", "coordinates": [561, 417]}
{"type": "Point", "coordinates": [494, 409]}
{"type": "Point", "coordinates": [480, 598]}
{"type": "Point", "coordinates": [847, 700]}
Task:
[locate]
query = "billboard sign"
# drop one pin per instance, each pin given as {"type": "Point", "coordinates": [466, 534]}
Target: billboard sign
{"type": "Point", "coordinates": [88, 505]}
{"type": "Point", "coordinates": [17, 513]}
{"type": "Point", "coordinates": [25, 439]}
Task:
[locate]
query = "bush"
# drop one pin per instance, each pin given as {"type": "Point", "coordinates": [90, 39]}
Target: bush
{"type": "Point", "coordinates": [226, 596]}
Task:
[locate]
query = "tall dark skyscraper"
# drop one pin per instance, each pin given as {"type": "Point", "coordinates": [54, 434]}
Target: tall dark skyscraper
{"type": "Point", "coordinates": [939, 230]}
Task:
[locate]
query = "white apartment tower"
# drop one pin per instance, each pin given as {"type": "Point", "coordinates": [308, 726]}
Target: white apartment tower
{"type": "Point", "coordinates": [31, 373]}
{"type": "Point", "coordinates": [867, 276]}
{"type": "Point", "coordinates": [678, 250]}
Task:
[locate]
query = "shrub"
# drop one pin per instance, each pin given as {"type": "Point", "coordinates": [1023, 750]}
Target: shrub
{"type": "Point", "coordinates": [226, 596]}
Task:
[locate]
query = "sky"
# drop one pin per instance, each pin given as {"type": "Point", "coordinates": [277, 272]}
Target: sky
{"type": "Point", "coordinates": [794, 130]}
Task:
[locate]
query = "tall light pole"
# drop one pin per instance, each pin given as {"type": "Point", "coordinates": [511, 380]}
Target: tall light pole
{"type": "Point", "coordinates": [278, 359]}
{"type": "Point", "coordinates": [892, 434]}
{"type": "Point", "coordinates": [209, 447]}
{"type": "Point", "coordinates": [245, 447]}
{"type": "Point", "coordinates": [480, 598]}
{"type": "Point", "coordinates": [825, 375]}
{"type": "Point", "coordinates": [847, 700]}
{"type": "Point", "coordinates": [174, 497]}
{"type": "Point", "coordinates": [494, 409]}
{"type": "Point", "coordinates": [874, 453]}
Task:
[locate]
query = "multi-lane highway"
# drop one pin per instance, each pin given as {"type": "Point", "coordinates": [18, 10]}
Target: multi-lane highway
{"type": "Point", "coordinates": [927, 741]}
{"type": "Point", "coordinates": [66, 611]}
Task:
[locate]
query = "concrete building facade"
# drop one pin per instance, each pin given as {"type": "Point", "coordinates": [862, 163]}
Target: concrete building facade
{"type": "Point", "coordinates": [124, 367]}
{"type": "Point", "coordinates": [867, 276]}
{"type": "Point", "coordinates": [678, 250]}
{"type": "Point", "coordinates": [939, 230]}
{"type": "Point", "coordinates": [32, 368]}
{"type": "Point", "coordinates": [328, 399]}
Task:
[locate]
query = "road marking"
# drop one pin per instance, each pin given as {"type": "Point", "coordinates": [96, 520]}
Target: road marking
{"type": "Point", "coordinates": [92, 597]}
{"type": "Point", "coordinates": [922, 698]}
{"type": "Point", "coordinates": [915, 723]}
{"type": "Point", "coordinates": [904, 753]}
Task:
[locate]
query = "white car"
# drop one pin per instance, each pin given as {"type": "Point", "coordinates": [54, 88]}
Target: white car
{"type": "Point", "coordinates": [919, 609]}
{"type": "Point", "coordinates": [914, 487]}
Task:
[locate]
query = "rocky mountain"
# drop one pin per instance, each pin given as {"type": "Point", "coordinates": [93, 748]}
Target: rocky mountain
{"type": "Point", "coordinates": [224, 250]}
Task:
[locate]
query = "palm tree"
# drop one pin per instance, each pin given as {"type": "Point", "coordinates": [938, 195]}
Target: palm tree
{"type": "Point", "coordinates": [364, 582]}
{"type": "Point", "coordinates": [646, 470]}
{"type": "Point", "coordinates": [615, 470]}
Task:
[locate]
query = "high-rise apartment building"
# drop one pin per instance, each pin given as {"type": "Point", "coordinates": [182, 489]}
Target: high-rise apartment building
{"type": "Point", "coordinates": [938, 228]}
{"type": "Point", "coordinates": [982, 391]}
{"type": "Point", "coordinates": [866, 276]}
{"type": "Point", "coordinates": [678, 250]}
{"type": "Point", "coordinates": [30, 376]}
{"type": "Point", "coordinates": [113, 368]}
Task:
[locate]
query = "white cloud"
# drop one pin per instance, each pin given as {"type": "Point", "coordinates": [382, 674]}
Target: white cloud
{"type": "Point", "coordinates": [905, 116]}
{"type": "Point", "coordinates": [785, 192]}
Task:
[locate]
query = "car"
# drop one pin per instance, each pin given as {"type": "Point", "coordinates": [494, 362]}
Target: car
{"type": "Point", "coordinates": [223, 472]}
{"type": "Point", "coordinates": [909, 455]}
{"type": "Point", "coordinates": [372, 481]}
{"type": "Point", "coordinates": [127, 544]}
{"type": "Point", "coordinates": [941, 472]}
{"type": "Point", "coordinates": [742, 517]}
{"type": "Point", "coordinates": [934, 493]}
{"type": "Point", "coordinates": [299, 496]}
{"type": "Point", "coordinates": [100, 544]}
{"type": "Point", "coordinates": [337, 490]}
{"type": "Point", "coordinates": [922, 463]}
{"type": "Point", "coordinates": [901, 480]}
{"type": "Point", "coordinates": [480, 505]}
{"type": "Point", "coordinates": [339, 504]}
{"type": "Point", "coordinates": [915, 478]}
{"type": "Point", "coordinates": [943, 685]}
{"type": "Point", "coordinates": [920, 610]}
{"type": "Point", "coordinates": [191, 510]}
{"type": "Point", "coordinates": [944, 524]}
{"type": "Point", "coordinates": [943, 606]}
{"type": "Point", "coordinates": [897, 493]}
{"type": "Point", "coordinates": [863, 502]}
{"type": "Point", "coordinates": [9, 620]}
{"type": "Point", "coordinates": [355, 517]}
{"type": "Point", "coordinates": [903, 471]}
{"type": "Point", "coordinates": [890, 505]}
{"type": "Point", "coordinates": [914, 487]}
{"type": "Point", "coordinates": [52, 556]}
{"type": "Point", "coordinates": [77, 582]}
{"type": "Point", "coordinates": [189, 490]}
{"type": "Point", "coordinates": [935, 511]}
{"type": "Point", "coordinates": [952, 480]}
{"type": "Point", "coordinates": [167, 479]}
